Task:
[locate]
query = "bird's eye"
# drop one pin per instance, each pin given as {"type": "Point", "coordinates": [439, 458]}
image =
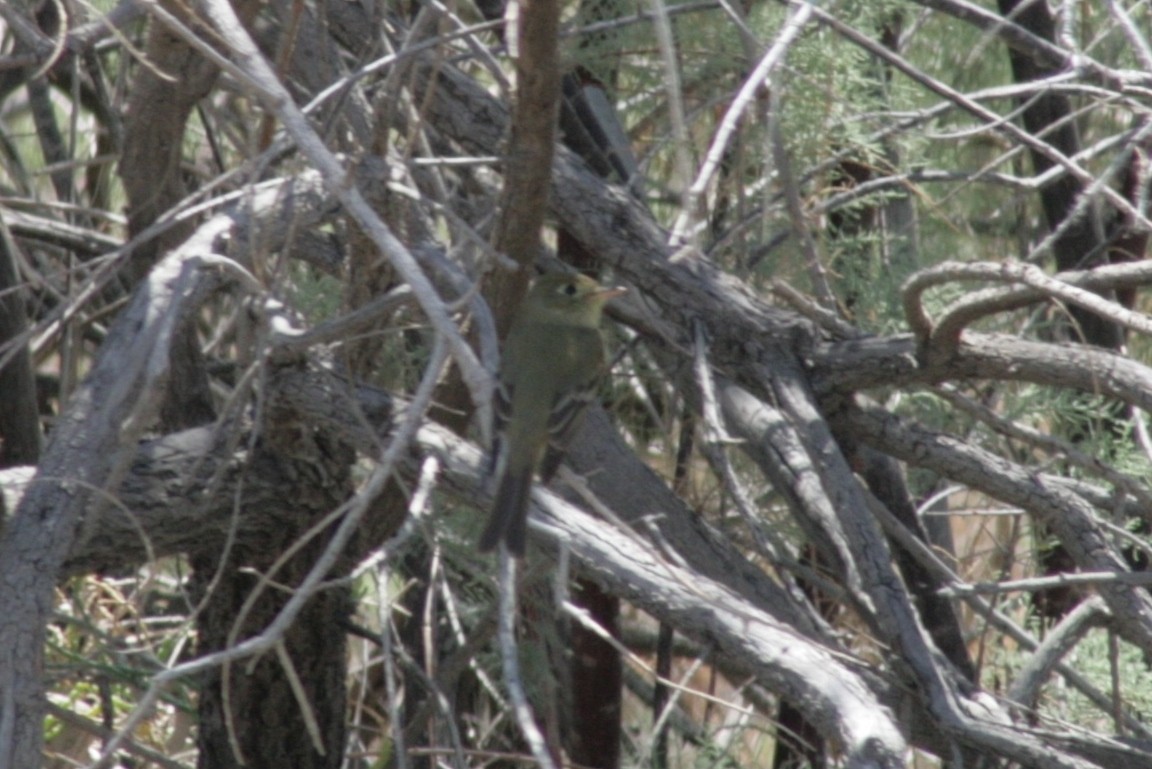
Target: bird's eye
{"type": "Point", "coordinates": [569, 289]}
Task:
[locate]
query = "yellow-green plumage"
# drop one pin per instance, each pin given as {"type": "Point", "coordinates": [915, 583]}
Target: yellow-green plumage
{"type": "Point", "coordinates": [553, 360]}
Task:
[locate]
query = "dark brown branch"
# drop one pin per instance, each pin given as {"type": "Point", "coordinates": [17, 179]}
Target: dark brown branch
{"type": "Point", "coordinates": [1044, 52]}
{"type": "Point", "coordinates": [19, 412]}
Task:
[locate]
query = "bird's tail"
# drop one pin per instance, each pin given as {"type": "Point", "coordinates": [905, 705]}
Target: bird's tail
{"type": "Point", "coordinates": [509, 519]}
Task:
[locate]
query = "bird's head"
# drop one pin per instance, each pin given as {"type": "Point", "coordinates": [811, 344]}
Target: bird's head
{"type": "Point", "coordinates": [568, 299]}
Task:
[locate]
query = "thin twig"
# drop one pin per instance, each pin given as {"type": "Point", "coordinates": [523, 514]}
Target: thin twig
{"type": "Point", "coordinates": [510, 657]}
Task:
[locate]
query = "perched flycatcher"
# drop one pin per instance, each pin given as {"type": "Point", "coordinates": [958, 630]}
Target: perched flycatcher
{"type": "Point", "coordinates": [552, 364]}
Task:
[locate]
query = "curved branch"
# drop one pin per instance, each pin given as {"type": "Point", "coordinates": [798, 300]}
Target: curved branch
{"type": "Point", "coordinates": [1068, 516]}
{"type": "Point", "coordinates": [88, 453]}
{"type": "Point", "coordinates": [831, 694]}
{"type": "Point", "coordinates": [839, 369]}
{"type": "Point", "coordinates": [1076, 287]}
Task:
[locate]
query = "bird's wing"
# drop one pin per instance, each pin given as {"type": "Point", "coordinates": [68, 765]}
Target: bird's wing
{"type": "Point", "coordinates": [569, 407]}
{"type": "Point", "coordinates": [565, 420]}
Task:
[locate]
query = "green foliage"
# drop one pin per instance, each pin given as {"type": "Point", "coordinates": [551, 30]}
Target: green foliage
{"type": "Point", "coordinates": [316, 295]}
{"type": "Point", "coordinates": [846, 118]}
{"type": "Point", "coordinates": [112, 637]}
{"type": "Point", "coordinates": [1093, 658]}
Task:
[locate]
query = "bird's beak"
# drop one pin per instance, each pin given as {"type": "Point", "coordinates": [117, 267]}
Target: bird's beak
{"type": "Point", "coordinates": [611, 292]}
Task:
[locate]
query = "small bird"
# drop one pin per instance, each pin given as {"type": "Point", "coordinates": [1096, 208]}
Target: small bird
{"type": "Point", "coordinates": [553, 361]}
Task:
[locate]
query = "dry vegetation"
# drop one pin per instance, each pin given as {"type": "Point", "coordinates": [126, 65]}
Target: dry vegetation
{"type": "Point", "coordinates": [867, 487]}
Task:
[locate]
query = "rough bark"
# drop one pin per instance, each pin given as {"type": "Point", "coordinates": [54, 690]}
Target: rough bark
{"type": "Point", "coordinates": [90, 449]}
{"type": "Point", "coordinates": [287, 709]}
{"type": "Point", "coordinates": [780, 385]}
